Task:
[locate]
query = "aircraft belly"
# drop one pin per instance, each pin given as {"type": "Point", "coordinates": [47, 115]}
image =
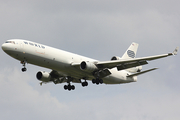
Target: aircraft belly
{"type": "Point", "coordinates": [75, 73]}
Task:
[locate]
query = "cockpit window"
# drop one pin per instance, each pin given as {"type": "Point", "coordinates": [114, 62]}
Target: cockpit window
{"type": "Point", "coordinates": [10, 42]}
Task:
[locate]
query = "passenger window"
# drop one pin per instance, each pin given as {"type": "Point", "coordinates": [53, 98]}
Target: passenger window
{"type": "Point", "coordinates": [31, 44]}
{"type": "Point", "coordinates": [25, 42]}
{"type": "Point", "coordinates": [43, 47]}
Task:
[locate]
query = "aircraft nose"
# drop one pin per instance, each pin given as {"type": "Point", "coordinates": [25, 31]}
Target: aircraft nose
{"type": "Point", "coordinates": [4, 47]}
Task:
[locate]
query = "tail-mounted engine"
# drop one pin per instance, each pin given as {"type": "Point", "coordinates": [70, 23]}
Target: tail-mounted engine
{"type": "Point", "coordinates": [135, 69]}
{"type": "Point", "coordinates": [43, 76]}
{"type": "Point", "coordinates": [88, 66]}
{"type": "Point", "coordinates": [115, 58]}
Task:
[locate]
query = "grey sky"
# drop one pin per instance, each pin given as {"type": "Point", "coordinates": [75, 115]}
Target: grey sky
{"type": "Point", "coordinates": [100, 30]}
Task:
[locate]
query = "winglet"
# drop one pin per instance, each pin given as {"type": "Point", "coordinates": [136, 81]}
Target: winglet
{"type": "Point", "coordinates": [175, 51]}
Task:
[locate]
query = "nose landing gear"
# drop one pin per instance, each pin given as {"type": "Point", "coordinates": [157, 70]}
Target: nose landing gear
{"type": "Point", "coordinates": [24, 69]}
{"type": "Point", "coordinates": [24, 66]}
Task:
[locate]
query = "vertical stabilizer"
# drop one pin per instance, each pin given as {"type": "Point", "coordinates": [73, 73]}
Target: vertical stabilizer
{"type": "Point", "coordinates": [131, 51]}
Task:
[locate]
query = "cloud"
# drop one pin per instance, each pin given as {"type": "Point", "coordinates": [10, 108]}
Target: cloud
{"type": "Point", "coordinates": [19, 100]}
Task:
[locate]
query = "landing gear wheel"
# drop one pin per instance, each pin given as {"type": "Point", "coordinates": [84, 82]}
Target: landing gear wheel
{"type": "Point", "coordinates": [24, 66]}
{"type": "Point", "coordinates": [69, 87]}
{"type": "Point", "coordinates": [84, 83]}
{"type": "Point", "coordinates": [100, 81]}
{"type": "Point", "coordinates": [73, 87]}
{"type": "Point", "coordinates": [24, 69]}
{"type": "Point", "coordinates": [65, 87]}
{"type": "Point", "coordinates": [97, 81]}
{"type": "Point", "coordinates": [93, 81]}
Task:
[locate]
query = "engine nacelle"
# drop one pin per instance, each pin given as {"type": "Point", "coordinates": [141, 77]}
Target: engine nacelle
{"type": "Point", "coordinates": [43, 76]}
{"type": "Point", "coordinates": [88, 66]}
{"type": "Point", "coordinates": [139, 68]}
{"type": "Point", "coordinates": [115, 58]}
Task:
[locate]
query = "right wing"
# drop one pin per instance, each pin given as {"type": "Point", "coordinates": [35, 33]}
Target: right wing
{"type": "Point", "coordinates": [104, 66]}
{"type": "Point", "coordinates": [128, 63]}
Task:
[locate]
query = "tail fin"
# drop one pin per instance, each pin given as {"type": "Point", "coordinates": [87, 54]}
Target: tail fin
{"type": "Point", "coordinates": [131, 51]}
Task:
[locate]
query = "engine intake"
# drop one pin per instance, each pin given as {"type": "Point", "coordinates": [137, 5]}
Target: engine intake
{"type": "Point", "coordinates": [43, 76]}
{"type": "Point", "coordinates": [115, 58]}
{"type": "Point", "coordinates": [88, 66]}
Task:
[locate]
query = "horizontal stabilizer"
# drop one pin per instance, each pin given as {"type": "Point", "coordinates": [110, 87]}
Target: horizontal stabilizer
{"type": "Point", "coordinates": [139, 73]}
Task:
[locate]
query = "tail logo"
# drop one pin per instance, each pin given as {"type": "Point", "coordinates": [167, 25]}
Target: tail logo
{"type": "Point", "coordinates": [131, 53]}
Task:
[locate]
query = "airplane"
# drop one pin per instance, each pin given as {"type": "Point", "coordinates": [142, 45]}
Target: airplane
{"type": "Point", "coordinates": [72, 68]}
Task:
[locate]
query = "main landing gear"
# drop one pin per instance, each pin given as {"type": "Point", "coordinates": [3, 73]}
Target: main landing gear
{"type": "Point", "coordinates": [72, 87]}
{"type": "Point", "coordinates": [97, 81]}
{"type": "Point", "coordinates": [69, 87]}
{"type": "Point", "coordinates": [24, 66]}
{"type": "Point", "coordinates": [85, 83]}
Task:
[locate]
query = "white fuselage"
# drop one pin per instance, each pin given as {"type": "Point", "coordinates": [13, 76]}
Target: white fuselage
{"type": "Point", "coordinates": [59, 60]}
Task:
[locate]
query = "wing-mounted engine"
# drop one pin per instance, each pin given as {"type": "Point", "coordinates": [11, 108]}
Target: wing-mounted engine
{"type": "Point", "coordinates": [43, 76]}
{"type": "Point", "coordinates": [115, 58]}
{"type": "Point", "coordinates": [88, 66]}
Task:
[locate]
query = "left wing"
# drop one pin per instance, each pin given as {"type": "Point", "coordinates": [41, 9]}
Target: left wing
{"type": "Point", "coordinates": [128, 63]}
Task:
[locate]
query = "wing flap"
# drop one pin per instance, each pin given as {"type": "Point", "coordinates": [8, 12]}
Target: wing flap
{"type": "Point", "coordinates": [102, 73]}
{"type": "Point", "coordinates": [131, 64]}
{"type": "Point", "coordinates": [55, 74]}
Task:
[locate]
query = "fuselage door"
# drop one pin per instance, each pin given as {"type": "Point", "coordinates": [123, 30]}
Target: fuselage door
{"type": "Point", "coordinates": [21, 46]}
